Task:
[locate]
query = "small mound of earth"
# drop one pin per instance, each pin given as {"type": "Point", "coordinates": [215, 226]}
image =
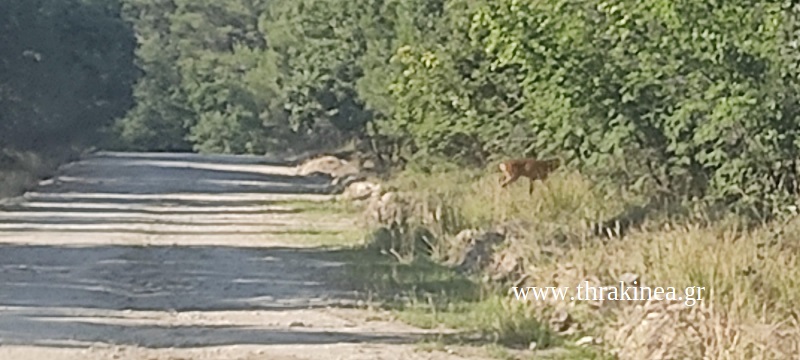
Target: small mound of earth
{"type": "Point", "coordinates": [329, 165]}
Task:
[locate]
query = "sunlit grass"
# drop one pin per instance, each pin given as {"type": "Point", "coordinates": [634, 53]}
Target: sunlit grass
{"type": "Point", "coordinates": [751, 278]}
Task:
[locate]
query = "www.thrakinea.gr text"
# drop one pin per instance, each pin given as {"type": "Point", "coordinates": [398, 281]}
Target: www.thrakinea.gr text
{"type": "Point", "coordinates": [690, 295]}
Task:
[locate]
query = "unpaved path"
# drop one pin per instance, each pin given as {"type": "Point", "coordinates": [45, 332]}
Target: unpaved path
{"type": "Point", "coordinates": [178, 256]}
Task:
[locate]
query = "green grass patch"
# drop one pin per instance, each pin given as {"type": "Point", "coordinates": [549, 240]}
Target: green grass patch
{"type": "Point", "coordinates": [320, 207]}
{"type": "Point", "coordinates": [330, 238]}
{"type": "Point", "coordinates": [322, 229]}
{"type": "Point", "coordinates": [428, 295]}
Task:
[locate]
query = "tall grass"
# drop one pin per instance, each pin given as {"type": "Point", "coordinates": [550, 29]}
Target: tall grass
{"type": "Point", "coordinates": [752, 277]}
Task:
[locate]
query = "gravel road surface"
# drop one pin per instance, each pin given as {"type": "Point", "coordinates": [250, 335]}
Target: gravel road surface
{"type": "Point", "coordinates": [150, 256]}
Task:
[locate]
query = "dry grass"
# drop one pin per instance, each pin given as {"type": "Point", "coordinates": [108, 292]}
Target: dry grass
{"type": "Point", "coordinates": [752, 278]}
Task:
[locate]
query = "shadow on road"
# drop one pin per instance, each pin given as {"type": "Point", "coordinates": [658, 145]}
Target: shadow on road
{"type": "Point", "coordinates": [56, 295]}
{"type": "Point", "coordinates": [194, 336]}
{"type": "Point", "coordinates": [150, 177]}
{"type": "Point", "coordinates": [194, 158]}
{"type": "Point", "coordinates": [66, 290]}
{"type": "Point", "coordinates": [180, 278]}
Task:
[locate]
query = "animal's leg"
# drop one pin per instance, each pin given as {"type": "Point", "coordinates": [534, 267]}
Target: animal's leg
{"type": "Point", "coordinates": [503, 173]}
{"type": "Point", "coordinates": [509, 180]}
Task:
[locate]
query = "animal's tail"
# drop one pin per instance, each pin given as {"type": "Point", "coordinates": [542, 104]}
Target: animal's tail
{"type": "Point", "coordinates": [554, 163]}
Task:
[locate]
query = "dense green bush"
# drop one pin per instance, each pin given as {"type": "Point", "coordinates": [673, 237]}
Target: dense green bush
{"type": "Point", "coordinates": [685, 99]}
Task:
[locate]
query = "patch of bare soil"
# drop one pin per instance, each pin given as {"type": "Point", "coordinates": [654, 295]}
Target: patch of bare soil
{"type": "Point", "coordinates": [148, 256]}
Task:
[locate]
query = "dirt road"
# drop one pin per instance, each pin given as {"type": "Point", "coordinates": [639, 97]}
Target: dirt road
{"type": "Point", "coordinates": [177, 256]}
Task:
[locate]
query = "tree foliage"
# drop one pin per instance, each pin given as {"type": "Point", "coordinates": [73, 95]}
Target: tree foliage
{"type": "Point", "coordinates": [684, 100]}
{"type": "Point", "coordinates": [697, 99]}
{"type": "Point", "coordinates": [65, 72]}
{"type": "Point", "coordinates": [688, 100]}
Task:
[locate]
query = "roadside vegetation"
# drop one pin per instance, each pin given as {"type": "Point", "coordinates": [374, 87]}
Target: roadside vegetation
{"type": "Point", "coordinates": [748, 311]}
{"type": "Point", "coordinates": [677, 123]}
{"type": "Point", "coordinates": [66, 73]}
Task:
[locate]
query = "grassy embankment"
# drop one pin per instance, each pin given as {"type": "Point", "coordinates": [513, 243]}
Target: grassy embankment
{"type": "Point", "coordinates": [751, 277]}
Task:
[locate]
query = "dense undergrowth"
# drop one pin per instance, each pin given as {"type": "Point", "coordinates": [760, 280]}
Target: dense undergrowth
{"type": "Point", "coordinates": [750, 273]}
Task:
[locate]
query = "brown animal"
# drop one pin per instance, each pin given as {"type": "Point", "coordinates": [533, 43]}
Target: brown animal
{"type": "Point", "coordinates": [530, 168]}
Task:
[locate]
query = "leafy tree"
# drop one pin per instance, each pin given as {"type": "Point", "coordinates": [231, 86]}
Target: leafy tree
{"type": "Point", "coordinates": [157, 121]}
{"type": "Point", "coordinates": [319, 45]}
